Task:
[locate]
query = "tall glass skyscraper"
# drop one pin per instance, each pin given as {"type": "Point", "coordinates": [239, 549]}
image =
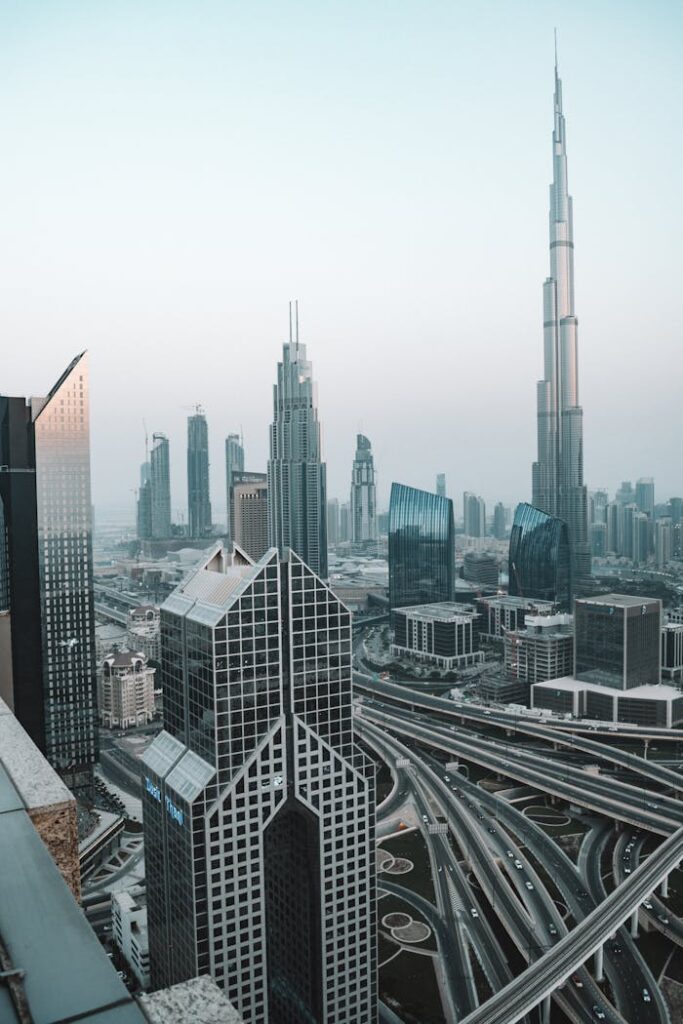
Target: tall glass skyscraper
{"type": "Point", "coordinates": [258, 805]}
{"type": "Point", "coordinates": [421, 547]}
{"type": "Point", "coordinates": [198, 501]}
{"type": "Point", "coordinates": [234, 463]}
{"type": "Point", "coordinates": [363, 494]}
{"type": "Point", "coordinates": [539, 558]}
{"type": "Point", "coordinates": [48, 669]}
{"type": "Point", "coordinates": [558, 486]}
{"type": "Point", "coordinates": [297, 490]}
{"type": "Point", "coordinates": [161, 487]}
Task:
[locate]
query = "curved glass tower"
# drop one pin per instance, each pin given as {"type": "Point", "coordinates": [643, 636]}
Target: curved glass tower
{"type": "Point", "coordinates": [421, 547]}
{"type": "Point", "coordinates": [540, 564]}
{"type": "Point", "coordinates": [558, 486]}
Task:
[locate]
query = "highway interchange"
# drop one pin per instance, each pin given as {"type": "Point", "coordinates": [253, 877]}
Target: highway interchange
{"type": "Point", "coordinates": [500, 878]}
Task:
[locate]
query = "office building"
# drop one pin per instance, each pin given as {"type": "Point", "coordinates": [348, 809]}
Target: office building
{"type": "Point", "coordinates": [543, 649]}
{"type": "Point", "coordinates": [344, 523]}
{"type": "Point", "coordinates": [499, 522]}
{"type": "Point", "coordinates": [645, 496]}
{"type": "Point", "coordinates": [421, 547]}
{"type": "Point", "coordinates": [558, 487]}
{"type": "Point", "coordinates": [498, 615]}
{"type": "Point", "coordinates": [144, 511]}
{"type": "Point", "coordinates": [625, 494]}
{"type": "Point", "coordinates": [252, 871]}
{"type": "Point", "coordinates": [126, 690]}
{"type": "Point", "coordinates": [363, 502]}
{"type": "Point", "coordinates": [250, 512]}
{"type": "Point", "coordinates": [474, 515]}
{"type": "Point", "coordinates": [598, 503]}
{"type": "Point", "coordinates": [481, 567]}
{"type": "Point", "coordinates": [333, 522]}
{"type": "Point", "coordinates": [198, 502]}
{"type": "Point", "coordinates": [672, 652]}
{"type": "Point", "coordinates": [442, 634]}
{"type": "Point", "coordinates": [234, 463]}
{"type": "Point", "coordinates": [617, 640]}
{"type": "Point", "coordinates": [441, 484]}
{"type": "Point", "coordinates": [663, 542]}
{"type": "Point", "coordinates": [161, 487]}
{"type": "Point", "coordinates": [539, 557]}
{"type": "Point", "coordinates": [48, 673]}
{"type": "Point", "coordinates": [129, 931]}
{"type": "Point", "coordinates": [598, 535]}
{"type": "Point", "coordinates": [297, 490]}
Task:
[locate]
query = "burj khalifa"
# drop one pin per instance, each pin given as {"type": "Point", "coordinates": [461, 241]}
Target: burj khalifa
{"type": "Point", "coordinates": [558, 486]}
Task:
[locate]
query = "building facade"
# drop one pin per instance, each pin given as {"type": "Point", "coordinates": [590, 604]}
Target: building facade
{"type": "Point", "coordinates": [444, 635]}
{"type": "Point", "coordinates": [258, 806]}
{"type": "Point", "coordinates": [48, 674]}
{"type": "Point", "coordinates": [421, 547]}
{"type": "Point", "coordinates": [126, 690]}
{"type": "Point", "coordinates": [297, 489]}
{"type": "Point", "coordinates": [499, 522]}
{"type": "Point", "coordinates": [129, 931]}
{"type": "Point", "coordinates": [498, 615]}
{"type": "Point", "coordinates": [250, 513]}
{"type": "Point", "coordinates": [161, 487]}
{"type": "Point", "coordinates": [441, 484]}
{"type": "Point", "coordinates": [558, 486]}
{"type": "Point", "coordinates": [473, 515]}
{"type": "Point", "coordinates": [544, 649]}
{"type": "Point", "coordinates": [672, 652]}
{"type": "Point", "coordinates": [198, 499]}
{"type": "Point", "coordinates": [540, 564]}
{"type": "Point", "coordinates": [143, 630]}
{"type": "Point", "coordinates": [617, 640]}
{"type": "Point", "coordinates": [481, 567]}
{"type": "Point", "coordinates": [363, 494]}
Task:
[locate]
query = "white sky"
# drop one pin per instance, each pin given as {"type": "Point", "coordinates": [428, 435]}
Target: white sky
{"type": "Point", "coordinates": [174, 173]}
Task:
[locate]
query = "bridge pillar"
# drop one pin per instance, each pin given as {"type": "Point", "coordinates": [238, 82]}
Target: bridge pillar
{"type": "Point", "coordinates": [664, 891]}
{"type": "Point", "coordinates": [646, 744]}
{"type": "Point", "coordinates": [634, 924]}
{"type": "Point", "coordinates": [599, 964]}
{"type": "Point", "coordinates": [545, 1011]}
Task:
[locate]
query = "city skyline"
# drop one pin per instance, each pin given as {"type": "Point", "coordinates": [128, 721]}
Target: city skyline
{"type": "Point", "coordinates": [374, 308]}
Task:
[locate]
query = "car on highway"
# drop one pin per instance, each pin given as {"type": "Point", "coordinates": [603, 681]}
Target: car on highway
{"type": "Point", "coordinates": [446, 778]}
{"type": "Point", "coordinates": [577, 981]}
{"type": "Point", "coordinates": [647, 998]}
{"type": "Point", "coordinates": [529, 886]}
{"type": "Point", "coordinates": [598, 1011]}
{"type": "Point", "coordinates": [492, 830]}
{"type": "Point", "coordinates": [474, 912]}
{"type": "Point", "coordinates": [663, 918]}
{"type": "Point", "coordinates": [552, 930]}
{"type": "Point", "coordinates": [581, 893]}
{"type": "Point", "coordinates": [510, 854]}
{"type": "Point", "coordinates": [647, 904]}
{"type": "Point", "coordinates": [616, 948]}
{"type": "Point", "coordinates": [518, 865]}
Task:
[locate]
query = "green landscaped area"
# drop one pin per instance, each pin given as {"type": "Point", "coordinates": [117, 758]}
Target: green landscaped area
{"type": "Point", "coordinates": [411, 846]}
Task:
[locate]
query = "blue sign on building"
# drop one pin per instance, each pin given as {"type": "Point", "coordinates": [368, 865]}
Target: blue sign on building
{"type": "Point", "coordinates": [152, 789]}
{"type": "Point", "coordinates": [174, 811]}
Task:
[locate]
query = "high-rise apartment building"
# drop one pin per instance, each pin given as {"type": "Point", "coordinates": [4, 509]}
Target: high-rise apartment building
{"type": "Point", "coordinates": [645, 496]}
{"type": "Point", "coordinates": [421, 547]}
{"type": "Point", "coordinates": [474, 515]}
{"type": "Point", "coordinates": [161, 487]}
{"type": "Point", "coordinates": [625, 494]}
{"type": "Point", "coordinates": [234, 463]}
{"type": "Point", "coordinates": [258, 805]}
{"type": "Point", "coordinates": [333, 521]}
{"type": "Point", "coordinates": [363, 494]}
{"type": "Point", "coordinates": [441, 484]}
{"type": "Point", "coordinates": [198, 501]}
{"type": "Point", "coordinates": [499, 524]}
{"type": "Point", "coordinates": [250, 512]}
{"type": "Point", "coordinates": [48, 670]}
{"type": "Point", "coordinates": [663, 542]}
{"type": "Point", "coordinates": [297, 491]}
{"type": "Point", "coordinates": [558, 486]}
{"type": "Point", "coordinates": [344, 522]}
{"type": "Point", "coordinates": [144, 505]}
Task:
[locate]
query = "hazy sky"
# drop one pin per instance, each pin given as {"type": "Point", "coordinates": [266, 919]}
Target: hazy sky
{"type": "Point", "coordinates": [173, 173]}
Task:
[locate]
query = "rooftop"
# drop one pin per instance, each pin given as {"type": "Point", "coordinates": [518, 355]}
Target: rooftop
{"type": "Point", "coordinates": [655, 691]}
{"type": "Point", "coordinates": [619, 600]}
{"type": "Point", "coordinates": [36, 782]}
{"type": "Point", "coordinates": [198, 1001]}
{"type": "Point", "coordinates": [445, 611]}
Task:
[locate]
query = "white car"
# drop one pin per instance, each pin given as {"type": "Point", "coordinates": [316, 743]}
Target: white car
{"type": "Point", "coordinates": [474, 912]}
{"type": "Point", "coordinates": [529, 886]}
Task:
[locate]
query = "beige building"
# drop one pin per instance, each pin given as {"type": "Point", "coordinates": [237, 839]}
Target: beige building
{"type": "Point", "coordinates": [125, 690]}
{"type": "Point", "coordinates": [544, 649]}
{"type": "Point", "coordinates": [251, 515]}
{"type": "Point", "coordinates": [144, 624]}
{"type": "Point", "coordinates": [47, 801]}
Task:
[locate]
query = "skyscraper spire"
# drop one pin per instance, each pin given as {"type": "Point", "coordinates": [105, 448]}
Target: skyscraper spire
{"type": "Point", "coordinates": [558, 486]}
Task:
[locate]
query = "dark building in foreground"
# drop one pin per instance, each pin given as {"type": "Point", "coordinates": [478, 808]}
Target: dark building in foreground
{"type": "Point", "coordinates": [617, 640]}
{"type": "Point", "coordinates": [47, 675]}
{"type": "Point", "coordinates": [539, 559]}
{"type": "Point", "coordinates": [421, 547]}
{"type": "Point", "coordinates": [258, 805]}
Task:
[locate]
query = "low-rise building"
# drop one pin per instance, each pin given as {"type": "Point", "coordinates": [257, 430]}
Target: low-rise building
{"type": "Point", "coordinates": [481, 567]}
{"type": "Point", "coordinates": [650, 705]}
{"type": "Point", "coordinates": [444, 633]}
{"type": "Point", "coordinates": [129, 931]}
{"type": "Point", "coordinates": [144, 627]}
{"type": "Point", "coordinates": [126, 690]}
{"type": "Point", "coordinates": [501, 613]}
{"type": "Point", "coordinates": [543, 650]}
